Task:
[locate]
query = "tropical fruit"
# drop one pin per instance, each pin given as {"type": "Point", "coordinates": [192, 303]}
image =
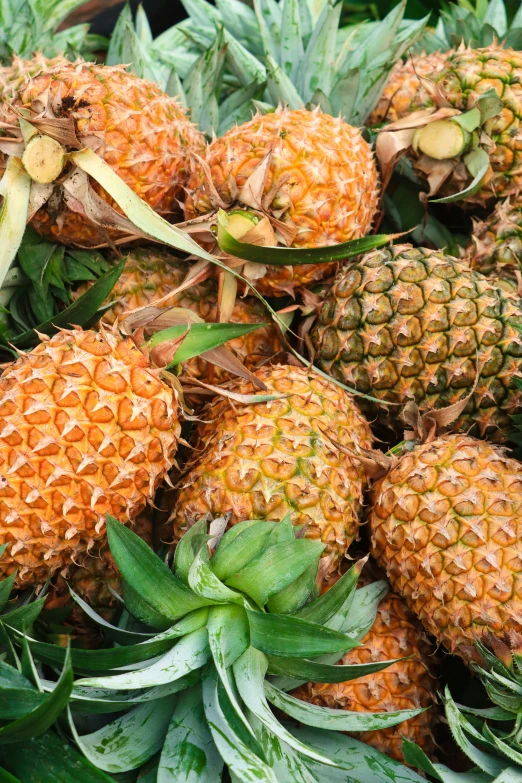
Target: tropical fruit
{"type": "Point", "coordinates": [87, 428]}
{"type": "Point", "coordinates": [451, 152]}
{"type": "Point", "coordinates": [313, 174]}
{"type": "Point", "coordinates": [151, 273]}
{"type": "Point", "coordinates": [407, 684]}
{"type": "Point", "coordinates": [411, 324]}
{"type": "Point", "coordinates": [142, 134]}
{"type": "Point", "coordinates": [292, 455]}
{"type": "Point", "coordinates": [446, 524]}
{"type": "Point", "coordinates": [495, 246]}
{"type": "Point", "coordinates": [403, 86]}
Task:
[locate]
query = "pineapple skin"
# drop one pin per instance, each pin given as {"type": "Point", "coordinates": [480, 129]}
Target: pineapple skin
{"type": "Point", "coordinates": [467, 74]}
{"type": "Point", "coordinates": [268, 459]}
{"type": "Point", "coordinates": [141, 133]}
{"type": "Point", "coordinates": [406, 685]}
{"type": "Point", "coordinates": [446, 524]}
{"type": "Point", "coordinates": [403, 86]}
{"type": "Point", "coordinates": [14, 76]}
{"type": "Point", "coordinates": [87, 428]}
{"type": "Point", "coordinates": [495, 246]}
{"type": "Point", "coordinates": [406, 324]}
{"type": "Point", "coordinates": [322, 179]}
{"type": "Point", "coordinates": [149, 275]}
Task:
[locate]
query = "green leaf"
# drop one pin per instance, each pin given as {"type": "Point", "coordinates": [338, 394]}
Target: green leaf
{"type": "Point", "coordinates": [312, 671]}
{"type": "Point", "coordinates": [205, 583]}
{"type": "Point", "coordinates": [292, 637]}
{"type": "Point", "coordinates": [18, 696]}
{"type": "Point", "coordinates": [240, 759]}
{"type": "Point", "coordinates": [6, 585]}
{"type": "Point", "coordinates": [142, 610]}
{"type": "Point", "coordinates": [293, 597]}
{"type": "Point", "coordinates": [275, 568]}
{"type": "Point", "coordinates": [24, 616]}
{"type": "Point", "coordinates": [489, 104]}
{"type": "Point", "coordinates": [287, 765]}
{"type": "Point", "coordinates": [61, 762]}
{"type": "Point", "coordinates": [239, 545]}
{"type": "Point", "coordinates": [328, 605]}
{"type": "Point", "coordinates": [249, 673]}
{"type": "Point", "coordinates": [281, 87]}
{"type": "Point", "coordinates": [130, 740]}
{"type": "Point", "coordinates": [200, 337]}
{"type": "Point", "coordinates": [360, 762]}
{"type": "Point", "coordinates": [6, 777]}
{"type": "Point", "coordinates": [81, 312]}
{"type": "Point", "coordinates": [317, 68]}
{"type": "Point", "coordinates": [189, 753]}
{"type": "Point", "coordinates": [340, 720]}
{"type": "Point", "coordinates": [189, 544]}
{"type": "Point", "coordinates": [112, 632]}
{"type": "Point", "coordinates": [470, 120]}
{"type": "Point", "coordinates": [190, 653]}
{"type": "Point", "coordinates": [100, 660]}
{"type": "Point", "coordinates": [148, 575]}
{"type": "Point", "coordinates": [42, 718]}
{"type": "Point", "coordinates": [291, 51]}
{"type": "Point", "coordinates": [290, 256]}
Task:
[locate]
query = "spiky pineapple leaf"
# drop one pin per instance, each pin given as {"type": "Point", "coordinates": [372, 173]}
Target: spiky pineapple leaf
{"type": "Point", "coordinates": [313, 671]}
{"type": "Point", "coordinates": [289, 256]}
{"type": "Point", "coordinates": [6, 586]}
{"type": "Point", "coordinates": [190, 653]}
{"type": "Point", "coordinates": [239, 545]}
{"type": "Point", "coordinates": [111, 631]}
{"type": "Point", "coordinates": [148, 575]}
{"type": "Point", "coordinates": [24, 616]}
{"type": "Point", "coordinates": [18, 696]}
{"type": "Point", "coordinates": [239, 757]}
{"type": "Point", "coordinates": [129, 741]}
{"type": "Point", "coordinates": [341, 720]}
{"type": "Point", "coordinates": [296, 594]}
{"type": "Point", "coordinates": [99, 660]}
{"type": "Point", "coordinates": [249, 673]}
{"type": "Point", "coordinates": [37, 722]}
{"type": "Point", "coordinates": [292, 637]}
{"type": "Point", "coordinates": [189, 752]}
{"type": "Point", "coordinates": [275, 568]}
{"type": "Point", "coordinates": [330, 603]}
{"type": "Point", "coordinates": [6, 777]}
{"type": "Point", "coordinates": [286, 763]}
{"type": "Point", "coordinates": [204, 582]}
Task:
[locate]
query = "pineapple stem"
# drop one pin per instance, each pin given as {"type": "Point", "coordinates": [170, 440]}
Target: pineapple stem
{"type": "Point", "coordinates": [44, 159]}
{"type": "Point", "coordinates": [441, 140]}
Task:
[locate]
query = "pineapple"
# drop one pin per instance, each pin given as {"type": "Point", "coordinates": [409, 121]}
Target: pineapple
{"type": "Point", "coordinates": [20, 71]}
{"type": "Point", "coordinates": [403, 86]}
{"type": "Point", "coordinates": [150, 273]}
{"type": "Point", "coordinates": [483, 147]}
{"type": "Point", "coordinates": [87, 428]}
{"type": "Point", "coordinates": [411, 324]}
{"type": "Point", "coordinates": [288, 456]}
{"type": "Point", "coordinates": [144, 136]}
{"type": "Point", "coordinates": [320, 185]}
{"type": "Point", "coordinates": [446, 524]}
{"type": "Point", "coordinates": [495, 246]}
{"type": "Point", "coordinates": [407, 684]}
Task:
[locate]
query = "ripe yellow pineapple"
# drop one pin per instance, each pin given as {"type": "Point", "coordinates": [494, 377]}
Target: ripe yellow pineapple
{"type": "Point", "coordinates": [321, 182]}
{"type": "Point", "coordinates": [87, 428]}
{"type": "Point", "coordinates": [137, 129]}
{"type": "Point", "coordinates": [446, 524]}
{"type": "Point", "coordinates": [268, 459]}
{"type": "Point", "coordinates": [15, 75]}
{"type": "Point", "coordinates": [150, 273]}
{"type": "Point", "coordinates": [495, 246]}
{"type": "Point", "coordinates": [403, 86]}
{"type": "Point", "coordinates": [411, 324]}
{"type": "Point", "coordinates": [406, 685]}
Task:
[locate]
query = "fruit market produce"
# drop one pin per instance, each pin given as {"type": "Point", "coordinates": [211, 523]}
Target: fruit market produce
{"type": "Point", "coordinates": [410, 324]}
{"type": "Point", "coordinates": [290, 455]}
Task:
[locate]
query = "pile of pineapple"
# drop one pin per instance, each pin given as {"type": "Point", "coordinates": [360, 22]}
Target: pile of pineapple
{"type": "Point", "coordinates": [261, 394]}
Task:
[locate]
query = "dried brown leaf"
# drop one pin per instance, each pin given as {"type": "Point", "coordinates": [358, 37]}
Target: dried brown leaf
{"type": "Point", "coordinates": [251, 193]}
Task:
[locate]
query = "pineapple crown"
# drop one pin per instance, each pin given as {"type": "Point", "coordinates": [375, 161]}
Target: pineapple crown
{"type": "Point", "coordinates": [205, 648]}
{"type": "Point", "coordinates": [229, 60]}
{"type": "Point", "coordinates": [474, 25]}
